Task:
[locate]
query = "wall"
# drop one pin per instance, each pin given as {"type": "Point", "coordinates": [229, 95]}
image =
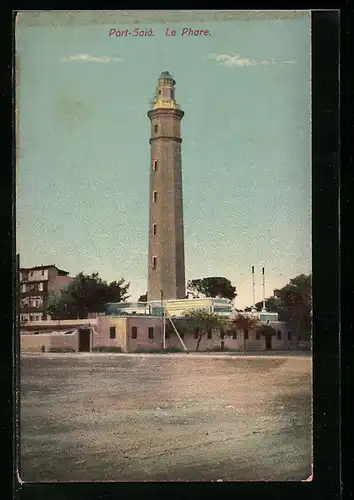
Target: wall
{"type": "Point", "coordinates": [142, 340]}
{"type": "Point", "coordinates": [34, 342]}
{"type": "Point", "coordinates": [252, 343]}
{"type": "Point", "coordinates": [37, 275]}
{"type": "Point", "coordinates": [102, 327]}
{"type": "Point", "coordinates": [57, 324]}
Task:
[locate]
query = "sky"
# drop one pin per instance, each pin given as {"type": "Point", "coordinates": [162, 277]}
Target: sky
{"type": "Point", "coordinates": [83, 159]}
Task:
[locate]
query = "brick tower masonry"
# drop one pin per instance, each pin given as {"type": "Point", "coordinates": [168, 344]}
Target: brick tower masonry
{"type": "Point", "coordinates": [166, 272]}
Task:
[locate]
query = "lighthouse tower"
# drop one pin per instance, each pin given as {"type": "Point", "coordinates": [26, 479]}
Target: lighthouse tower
{"type": "Point", "coordinates": [166, 274]}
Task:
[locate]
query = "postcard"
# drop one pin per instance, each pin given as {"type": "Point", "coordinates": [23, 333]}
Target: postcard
{"type": "Point", "coordinates": [163, 209]}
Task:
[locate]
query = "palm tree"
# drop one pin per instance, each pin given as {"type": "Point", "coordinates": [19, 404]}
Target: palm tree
{"type": "Point", "coordinates": [266, 331]}
{"type": "Point", "coordinates": [245, 323]}
{"type": "Point", "coordinates": [202, 321]}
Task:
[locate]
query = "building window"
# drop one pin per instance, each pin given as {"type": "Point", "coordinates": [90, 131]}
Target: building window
{"type": "Point", "coordinates": [246, 335]}
{"type": "Point", "coordinates": [154, 165]}
{"type": "Point", "coordinates": [156, 128]}
{"type": "Point", "coordinates": [112, 332]}
{"type": "Point", "coordinates": [154, 262]}
{"type": "Point", "coordinates": [234, 334]}
{"type": "Point", "coordinates": [210, 334]}
{"type": "Point", "coordinates": [154, 228]}
{"type": "Point", "coordinates": [151, 332]}
{"type": "Point", "coordinates": [289, 335]}
{"type": "Point", "coordinates": [154, 196]}
{"type": "Point", "coordinates": [279, 334]}
{"type": "Point", "coordinates": [134, 332]}
{"type": "Point", "coordinates": [42, 272]}
{"type": "Point", "coordinates": [31, 318]}
{"type": "Point", "coordinates": [31, 273]}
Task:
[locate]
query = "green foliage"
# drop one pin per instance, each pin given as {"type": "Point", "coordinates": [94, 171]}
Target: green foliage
{"type": "Point", "coordinates": [265, 330]}
{"type": "Point", "coordinates": [201, 322]}
{"type": "Point", "coordinates": [293, 303]}
{"type": "Point", "coordinates": [86, 294]}
{"type": "Point", "coordinates": [173, 349]}
{"type": "Point", "coordinates": [216, 287]}
{"type": "Point", "coordinates": [296, 305]}
{"type": "Point", "coordinates": [245, 323]}
{"type": "Point", "coordinates": [61, 349]}
{"type": "Point", "coordinates": [143, 298]}
{"type": "Point", "coordinates": [107, 349]}
{"type": "Point", "coordinates": [157, 350]}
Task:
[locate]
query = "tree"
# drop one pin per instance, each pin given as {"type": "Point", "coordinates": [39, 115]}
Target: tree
{"type": "Point", "coordinates": [118, 291]}
{"type": "Point", "coordinates": [86, 294]}
{"type": "Point", "coordinates": [245, 323]}
{"type": "Point", "coordinates": [143, 298]}
{"type": "Point", "coordinates": [180, 324]}
{"type": "Point", "coordinates": [296, 305]}
{"type": "Point", "coordinates": [293, 303]}
{"type": "Point", "coordinates": [265, 330]}
{"type": "Point", "coordinates": [216, 287]}
{"type": "Point", "coordinates": [201, 322]}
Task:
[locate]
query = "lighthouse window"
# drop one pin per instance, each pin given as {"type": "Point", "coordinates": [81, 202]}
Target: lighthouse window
{"type": "Point", "coordinates": [154, 196]}
{"type": "Point", "coordinates": [156, 128]}
{"type": "Point", "coordinates": [154, 165]}
{"type": "Point", "coordinates": [154, 228]}
{"type": "Point", "coordinates": [154, 262]}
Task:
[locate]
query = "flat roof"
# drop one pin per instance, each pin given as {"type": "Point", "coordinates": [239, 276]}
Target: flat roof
{"type": "Point", "coordinates": [35, 268]}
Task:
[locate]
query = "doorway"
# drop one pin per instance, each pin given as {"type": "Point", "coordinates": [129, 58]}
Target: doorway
{"type": "Point", "coordinates": [268, 342]}
{"type": "Point", "coordinates": [84, 339]}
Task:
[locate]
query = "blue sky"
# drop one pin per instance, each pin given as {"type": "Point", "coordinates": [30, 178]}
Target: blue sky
{"type": "Point", "coordinates": [83, 152]}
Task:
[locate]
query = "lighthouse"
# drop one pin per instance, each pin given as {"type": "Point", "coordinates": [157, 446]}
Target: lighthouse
{"type": "Point", "coordinates": [166, 266]}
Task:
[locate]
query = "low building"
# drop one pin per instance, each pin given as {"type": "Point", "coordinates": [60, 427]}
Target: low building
{"type": "Point", "coordinates": [174, 308]}
{"type": "Point", "coordinates": [128, 333]}
{"type": "Point", "coordinates": [36, 285]}
{"type": "Point", "coordinates": [181, 307]}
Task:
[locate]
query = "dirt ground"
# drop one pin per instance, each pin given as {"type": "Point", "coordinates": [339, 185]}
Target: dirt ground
{"type": "Point", "coordinates": [109, 417]}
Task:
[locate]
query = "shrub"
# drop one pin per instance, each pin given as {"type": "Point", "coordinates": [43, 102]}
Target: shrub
{"type": "Point", "coordinates": [173, 349]}
{"type": "Point", "coordinates": [107, 349]}
{"type": "Point", "coordinates": [140, 350]}
{"type": "Point", "coordinates": [157, 350]}
{"type": "Point", "coordinates": [61, 349]}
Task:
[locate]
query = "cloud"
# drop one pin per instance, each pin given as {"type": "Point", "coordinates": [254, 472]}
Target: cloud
{"type": "Point", "coordinates": [231, 60]}
{"type": "Point", "coordinates": [88, 58]}
{"type": "Point", "coordinates": [236, 60]}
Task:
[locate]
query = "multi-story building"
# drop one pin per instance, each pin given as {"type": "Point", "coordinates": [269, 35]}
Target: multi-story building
{"type": "Point", "coordinates": [36, 285]}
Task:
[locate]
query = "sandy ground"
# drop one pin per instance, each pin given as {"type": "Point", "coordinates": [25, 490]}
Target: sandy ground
{"type": "Point", "coordinates": [103, 417]}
